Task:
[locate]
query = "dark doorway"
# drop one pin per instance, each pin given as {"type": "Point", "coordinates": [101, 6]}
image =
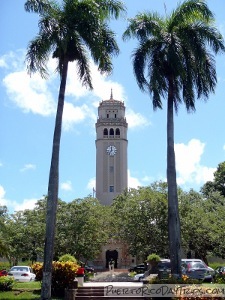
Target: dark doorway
{"type": "Point", "coordinates": [111, 255]}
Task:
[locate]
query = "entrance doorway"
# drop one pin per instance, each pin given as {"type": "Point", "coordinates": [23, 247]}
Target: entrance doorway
{"type": "Point", "coordinates": [111, 255]}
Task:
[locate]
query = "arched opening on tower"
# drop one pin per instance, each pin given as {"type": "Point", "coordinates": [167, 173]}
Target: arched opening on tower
{"type": "Point", "coordinates": [105, 132]}
{"type": "Point", "coordinates": [111, 132]}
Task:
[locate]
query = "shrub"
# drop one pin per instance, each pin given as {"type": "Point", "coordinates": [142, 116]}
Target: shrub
{"type": "Point", "coordinates": [38, 270]}
{"type": "Point", "coordinates": [4, 265]}
{"type": "Point", "coordinates": [173, 280]}
{"type": "Point", "coordinates": [88, 276]}
{"type": "Point", "coordinates": [67, 257]}
{"type": "Point", "coordinates": [219, 278]}
{"type": "Point", "coordinates": [153, 258]}
{"type": "Point", "coordinates": [6, 283]}
{"type": "Point", "coordinates": [132, 274]}
{"type": "Point", "coordinates": [63, 275]}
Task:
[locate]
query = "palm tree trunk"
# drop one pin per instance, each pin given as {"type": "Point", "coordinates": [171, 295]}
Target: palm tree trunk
{"type": "Point", "coordinates": [52, 199]}
{"type": "Point", "coordinates": [173, 211]}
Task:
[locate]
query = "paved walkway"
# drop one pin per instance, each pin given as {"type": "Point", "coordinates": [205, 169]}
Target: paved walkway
{"type": "Point", "coordinates": [116, 278]}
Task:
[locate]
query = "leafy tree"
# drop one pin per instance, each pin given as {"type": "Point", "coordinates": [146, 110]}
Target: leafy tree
{"type": "Point", "coordinates": [69, 31]}
{"type": "Point", "coordinates": [202, 223]}
{"type": "Point", "coordinates": [16, 238]}
{"type": "Point", "coordinates": [81, 228]}
{"type": "Point", "coordinates": [24, 233]}
{"type": "Point", "coordinates": [208, 188]}
{"type": "Point", "coordinates": [217, 225]}
{"type": "Point", "coordinates": [35, 229]}
{"type": "Point", "coordinates": [195, 224]}
{"type": "Point", "coordinates": [142, 220]}
{"type": "Point", "coordinates": [218, 184]}
{"type": "Point", "coordinates": [219, 178]}
{"type": "Point", "coordinates": [174, 59]}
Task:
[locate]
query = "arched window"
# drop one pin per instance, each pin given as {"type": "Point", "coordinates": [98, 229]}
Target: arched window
{"type": "Point", "coordinates": [105, 132]}
{"type": "Point", "coordinates": [117, 131]}
{"type": "Point", "coordinates": [111, 132]}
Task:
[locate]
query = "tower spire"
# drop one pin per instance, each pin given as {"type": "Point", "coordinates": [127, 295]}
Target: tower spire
{"type": "Point", "coordinates": [111, 96]}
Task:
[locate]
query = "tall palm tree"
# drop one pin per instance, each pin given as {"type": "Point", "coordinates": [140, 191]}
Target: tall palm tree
{"type": "Point", "coordinates": [174, 61]}
{"type": "Point", "coordinates": [69, 32]}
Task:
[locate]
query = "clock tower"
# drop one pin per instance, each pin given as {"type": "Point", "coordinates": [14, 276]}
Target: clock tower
{"type": "Point", "coordinates": [111, 150]}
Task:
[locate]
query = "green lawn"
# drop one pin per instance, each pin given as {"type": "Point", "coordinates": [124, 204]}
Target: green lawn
{"type": "Point", "coordinates": [20, 295]}
{"type": "Point", "coordinates": [24, 291]}
{"type": "Point", "coordinates": [27, 285]}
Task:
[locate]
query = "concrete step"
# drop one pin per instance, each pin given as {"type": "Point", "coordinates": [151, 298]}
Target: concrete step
{"type": "Point", "coordinates": [107, 297]}
{"type": "Point", "coordinates": [90, 291]}
{"type": "Point", "coordinates": [97, 293]}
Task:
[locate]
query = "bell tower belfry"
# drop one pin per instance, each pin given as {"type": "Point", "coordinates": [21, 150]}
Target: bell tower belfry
{"type": "Point", "coordinates": [111, 150]}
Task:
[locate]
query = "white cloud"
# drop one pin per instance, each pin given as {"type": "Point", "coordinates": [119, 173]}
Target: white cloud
{"type": "Point", "coordinates": [3, 200]}
{"type": "Point", "coordinates": [75, 114]}
{"type": "Point", "coordinates": [26, 204]}
{"type": "Point", "coordinates": [147, 179]}
{"type": "Point", "coordinates": [133, 182]}
{"type": "Point", "coordinates": [188, 166]}
{"type": "Point", "coordinates": [13, 60]}
{"type": "Point", "coordinates": [28, 167]}
{"type": "Point", "coordinates": [13, 206]}
{"type": "Point", "coordinates": [136, 119]}
{"type": "Point", "coordinates": [102, 86]}
{"type": "Point", "coordinates": [74, 87]}
{"type": "Point", "coordinates": [66, 186]}
{"type": "Point", "coordinates": [91, 184]}
{"type": "Point", "coordinates": [3, 63]}
{"type": "Point", "coordinates": [32, 94]}
{"type": "Point", "coordinates": [29, 93]}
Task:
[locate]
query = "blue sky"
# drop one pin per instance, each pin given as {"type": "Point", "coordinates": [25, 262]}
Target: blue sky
{"type": "Point", "coordinates": [27, 115]}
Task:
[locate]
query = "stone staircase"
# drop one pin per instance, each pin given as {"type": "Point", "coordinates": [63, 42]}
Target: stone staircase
{"type": "Point", "coordinates": [97, 289]}
{"type": "Point", "coordinates": [97, 293]}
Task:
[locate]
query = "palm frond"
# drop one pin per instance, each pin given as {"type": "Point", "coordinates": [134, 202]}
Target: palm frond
{"type": "Point", "coordinates": [104, 49]}
{"type": "Point", "coordinates": [37, 55]}
{"type": "Point", "coordinates": [210, 35]}
{"type": "Point", "coordinates": [111, 8]}
{"type": "Point", "coordinates": [37, 6]}
{"type": "Point", "coordinates": [139, 63]}
{"type": "Point", "coordinates": [190, 10]}
{"type": "Point", "coordinates": [143, 26]}
{"type": "Point", "coordinates": [61, 26]}
{"type": "Point", "coordinates": [83, 67]}
{"type": "Point", "coordinates": [206, 76]}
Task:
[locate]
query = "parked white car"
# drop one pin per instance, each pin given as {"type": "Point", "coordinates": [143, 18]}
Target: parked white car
{"type": "Point", "coordinates": [139, 277]}
{"type": "Point", "coordinates": [22, 273]}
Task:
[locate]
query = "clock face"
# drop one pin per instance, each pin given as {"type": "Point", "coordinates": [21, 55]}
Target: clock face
{"type": "Point", "coordinates": [111, 150]}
